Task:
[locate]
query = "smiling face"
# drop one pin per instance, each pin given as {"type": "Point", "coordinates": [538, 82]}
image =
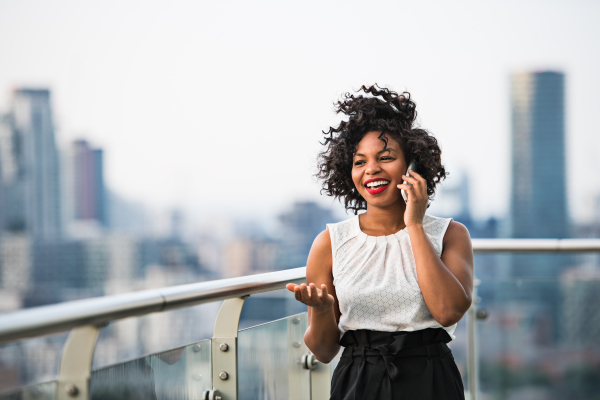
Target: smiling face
{"type": "Point", "coordinates": [376, 171]}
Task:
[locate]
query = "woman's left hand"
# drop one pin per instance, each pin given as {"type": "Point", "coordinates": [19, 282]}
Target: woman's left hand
{"type": "Point", "coordinates": [416, 205]}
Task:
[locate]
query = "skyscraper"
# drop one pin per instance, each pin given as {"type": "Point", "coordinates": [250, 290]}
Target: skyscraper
{"type": "Point", "coordinates": [6, 165]}
{"type": "Point", "coordinates": [538, 197]}
{"type": "Point", "coordinates": [538, 207]}
{"type": "Point", "coordinates": [87, 182]}
{"type": "Point", "coordinates": [31, 183]}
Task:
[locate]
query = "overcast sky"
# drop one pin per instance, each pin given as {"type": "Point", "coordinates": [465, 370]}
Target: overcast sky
{"type": "Point", "coordinates": [218, 106]}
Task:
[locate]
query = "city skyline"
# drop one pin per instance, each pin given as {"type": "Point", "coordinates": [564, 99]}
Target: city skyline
{"type": "Point", "coordinates": [163, 87]}
{"type": "Point", "coordinates": [35, 272]}
{"type": "Point", "coordinates": [85, 200]}
{"type": "Point", "coordinates": [145, 145]}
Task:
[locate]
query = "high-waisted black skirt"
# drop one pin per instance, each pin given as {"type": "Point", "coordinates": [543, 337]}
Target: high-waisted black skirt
{"type": "Point", "coordinates": [396, 366]}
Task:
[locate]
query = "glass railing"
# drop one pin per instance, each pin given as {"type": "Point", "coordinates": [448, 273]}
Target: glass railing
{"type": "Point", "coordinates": [270, 360]}
{"type": "Point", "coordinates": [183, 373]}
{"type": "Point", "coordinates": [270, 363]}
{"type": "Point", "coordinates": [541, 339]}
{"type": "Point", "coordinates": [26, 362]}
{"type": "Point", "coordinates": [532, 333]}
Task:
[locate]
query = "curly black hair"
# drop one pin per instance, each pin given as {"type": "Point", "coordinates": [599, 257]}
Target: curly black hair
{"type": "Point", "coordinates": [386, 111]}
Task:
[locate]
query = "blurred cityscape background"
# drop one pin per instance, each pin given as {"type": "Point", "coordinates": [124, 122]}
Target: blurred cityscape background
{"type": "Point", "coordinates": [144, 146]}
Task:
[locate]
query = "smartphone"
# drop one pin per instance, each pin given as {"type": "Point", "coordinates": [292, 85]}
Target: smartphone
{"type": "Point", "coordinates": [413, 166]}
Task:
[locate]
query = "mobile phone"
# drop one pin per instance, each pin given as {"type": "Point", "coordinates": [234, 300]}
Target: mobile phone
{"type": "Point", "coordinates": [413, 166]}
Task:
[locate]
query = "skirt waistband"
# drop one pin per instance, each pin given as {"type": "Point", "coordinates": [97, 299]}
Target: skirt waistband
{"type": "Point", "coordinates": [372, 339]}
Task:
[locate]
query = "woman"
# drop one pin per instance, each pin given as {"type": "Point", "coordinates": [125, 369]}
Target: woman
{"type": "Point", "coordinates": [390, 284]}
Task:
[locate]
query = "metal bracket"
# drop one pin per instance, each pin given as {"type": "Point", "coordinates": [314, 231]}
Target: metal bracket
{"type": "Point", "coordinates": [76, 364]}
{"type": "Point", "coordinates": [224, 349]}
{"type": "Point", "coordinates": [211, 395]}
{"type": "Point", "coordinates": [309, 361]}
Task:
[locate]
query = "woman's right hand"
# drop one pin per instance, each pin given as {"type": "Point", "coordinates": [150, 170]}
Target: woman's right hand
{"type": "Point", "coordinates": [318, 299]}
{"type": "Point", "coordinates": [322, 335]}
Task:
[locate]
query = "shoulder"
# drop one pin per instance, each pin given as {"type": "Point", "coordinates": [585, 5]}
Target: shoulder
{"type": "Point", "coordinates": [432, 219]}
{"type": "Point", "coordinates": [457, 231]}
{"type": "Point", "coordinates": [344, 225]}
{"type": "Point", "coordinates": [445, 226]}
{"type": "Point", "coordinates": [436, 229]}
{"type": "Point", "coordinates": [343, 230]}
{"type": "Point", "coordinates": [322, 242]}
{"type": "Point", "coordinates": [457, 236]}
{"type": "Point", "coordinates": [320, 259]}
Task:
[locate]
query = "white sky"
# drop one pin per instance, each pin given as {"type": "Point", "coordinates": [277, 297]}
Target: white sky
{"type": "Point", "coordinates": [218, 106]}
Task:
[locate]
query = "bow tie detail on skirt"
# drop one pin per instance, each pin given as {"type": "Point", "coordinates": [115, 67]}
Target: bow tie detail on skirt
{"type": "Point", "coordinates": [382, 357]}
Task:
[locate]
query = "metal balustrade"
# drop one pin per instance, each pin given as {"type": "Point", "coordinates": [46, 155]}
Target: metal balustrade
{"type": "Point", "coordinates": [305, 378]}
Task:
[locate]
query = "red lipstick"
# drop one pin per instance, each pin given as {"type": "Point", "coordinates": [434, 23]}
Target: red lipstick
{"type": "Point", "coordinates": [379, 189]}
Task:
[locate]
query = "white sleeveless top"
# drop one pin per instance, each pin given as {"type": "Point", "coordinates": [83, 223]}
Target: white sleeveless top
{"type": "Point", "coordinates": [375, 278]}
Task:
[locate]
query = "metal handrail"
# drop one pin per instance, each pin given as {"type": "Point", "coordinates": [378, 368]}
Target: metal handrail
{"type": "Point", "coordinates": [62, 317]}
{"type": "Point", "coordinates": [535, 245]}
{"type": "Point", "coordinates": [99, 311]}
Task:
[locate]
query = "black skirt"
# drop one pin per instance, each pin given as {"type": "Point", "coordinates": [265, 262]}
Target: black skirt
{"type": "Point", "coordinates": [396, 365]}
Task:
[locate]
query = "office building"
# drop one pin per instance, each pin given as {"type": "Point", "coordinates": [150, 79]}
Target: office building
{"type": "Point", "coordinates": [30, 166]}
{"type": "Point", "coordinates": [538, 203]}
{"type": "Point", "coordinates": [538, 207]}
{"type": "Point", "coordinates": [85, 194]}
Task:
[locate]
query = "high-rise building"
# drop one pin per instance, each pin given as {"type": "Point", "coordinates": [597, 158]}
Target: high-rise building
{"type": "Point", "coordinates": [12, 208]}
{"type": "Point", "coordinates": [6, 164]}
{"type": "Point", "coordinates": [85, 198]}
{"type": "Point", "coordinates": [30, 166]}
{"type": "Point", "coordinates": [538, 207]}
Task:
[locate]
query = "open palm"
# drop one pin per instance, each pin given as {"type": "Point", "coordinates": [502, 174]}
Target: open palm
{"type": "Point", "coordinates": [319, 299]}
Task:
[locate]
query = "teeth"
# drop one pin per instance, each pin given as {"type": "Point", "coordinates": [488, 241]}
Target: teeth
{"type": "Point", "coordinates": [377, 183]}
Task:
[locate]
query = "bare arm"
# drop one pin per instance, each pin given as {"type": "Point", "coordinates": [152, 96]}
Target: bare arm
{"type": "Point", "coordinates": [446, 282]}
{"type": "Point", "coordinates": [322, 335]}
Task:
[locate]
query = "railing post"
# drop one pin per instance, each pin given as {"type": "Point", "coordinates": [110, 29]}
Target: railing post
{"type": "Point", "coordinates": [224, 351]}
{"type": "Point", "coordinates": [472, 351]}
{"type": "Point", "coordinates": [320, 381]}
{"type": "Point", "coordinates": [76, 364]}
{"type": "Point", "coordinates": [298, 375]}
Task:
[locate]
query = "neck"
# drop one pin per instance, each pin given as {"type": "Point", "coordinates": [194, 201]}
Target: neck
{"type": "Point", "coordinates": [387, 220]}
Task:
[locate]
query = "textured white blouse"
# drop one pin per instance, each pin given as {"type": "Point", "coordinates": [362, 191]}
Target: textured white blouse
{"type": "Point", "coordinates": [375, 278]}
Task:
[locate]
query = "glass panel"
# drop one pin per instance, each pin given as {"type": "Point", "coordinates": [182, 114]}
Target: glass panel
{"type": "Point", "coordinates": [132, 338]}
{"type": "Point", "coordinates": [269, 360]}
{"type": "Point", "coordinates": [182, 373]}
{"type": "Point", "coordinates": [41, 391]}
{"type": "Point", "coordinates": [541, 337]}
{"type": "Point", "coordinates": [27, 362]}
{"type": "Point", "coordinates": [269, 306]}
